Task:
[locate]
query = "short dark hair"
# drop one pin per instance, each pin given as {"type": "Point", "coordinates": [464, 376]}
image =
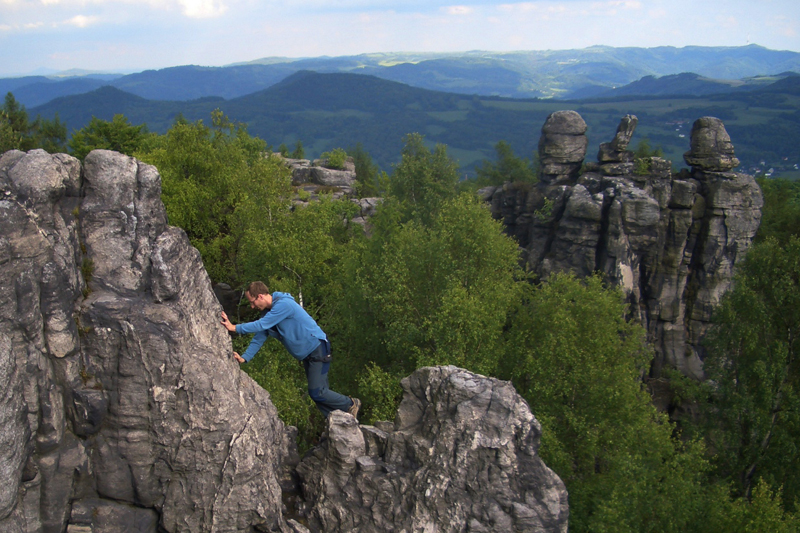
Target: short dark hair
{"type": "Point", "coordinates": [257, 288]}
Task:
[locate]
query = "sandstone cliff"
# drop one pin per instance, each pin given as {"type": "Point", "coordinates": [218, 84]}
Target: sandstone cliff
{"type": "Point", "coordinates": [460, 456]}
{"type": "Point", "coordinates": [122, 404]}
{"type": "Point", "coordinates": [122, 409]}
{"type": "Point", "coordinates": [670, 242]}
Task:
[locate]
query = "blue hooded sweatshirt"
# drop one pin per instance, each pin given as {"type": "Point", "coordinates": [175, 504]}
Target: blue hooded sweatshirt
{"type": "Point", "coordinates": [287, 322]}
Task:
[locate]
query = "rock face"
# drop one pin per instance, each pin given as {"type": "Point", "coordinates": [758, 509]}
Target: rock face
{"type": "Point", "coordinates": [562, 147]}
{"type": "Point", "coordinates": [460, 456]}
{"type": "Point", "coordinates": [121, 407]}
{"type": "Point", "coordinates": [711, 147]}
{"type": "Point", "coordinates": [670, 242]}
{"type": "Point", "coordinates": [312, 176]}
{"type": "Point", "coordinates": [122, 410]}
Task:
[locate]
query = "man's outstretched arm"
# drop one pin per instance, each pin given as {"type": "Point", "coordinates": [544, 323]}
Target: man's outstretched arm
{"type": "Point", "coordinates": [253, 344]}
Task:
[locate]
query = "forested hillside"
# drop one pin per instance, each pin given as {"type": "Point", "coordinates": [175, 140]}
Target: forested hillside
{"type": "Point", "coordinates": [561, 74]}
{"type": "Point", "coordinates": [327, 111]}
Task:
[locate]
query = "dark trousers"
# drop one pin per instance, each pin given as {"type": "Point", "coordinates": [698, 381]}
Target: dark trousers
{"type": "Point", "coordinates": [316, 365]}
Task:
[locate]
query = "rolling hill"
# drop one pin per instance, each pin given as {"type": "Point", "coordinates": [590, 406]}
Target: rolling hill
{"type": "Point", "coordinates": [327, 111]}
{"type": "Point", "coordinates": [562, 74]}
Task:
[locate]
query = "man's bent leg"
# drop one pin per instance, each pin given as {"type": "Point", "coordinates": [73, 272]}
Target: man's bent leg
{"type": "Point", "coordinates": [326, 399]}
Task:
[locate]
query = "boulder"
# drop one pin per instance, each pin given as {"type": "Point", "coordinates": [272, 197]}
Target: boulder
{"type": "Point", "coordinates": [711, 148]}
{"type": "Point", "coordinates": [614, 157]}
{"type": "Point", "coordinates": [562, 147]}
{"type": "Point", "coordinates": [462, 455]}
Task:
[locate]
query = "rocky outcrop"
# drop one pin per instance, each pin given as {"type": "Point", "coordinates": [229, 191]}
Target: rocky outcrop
{"type": "Point", "coordinates": [122, 409]}
{"type": "Point", "coordinates": [614, 158]}
{"type": "Point", "coordinates": [562, 147]}
{"type": "Point", "coordinates": [366, 208]}
{"type": "Point", "coordinates": [317, 176]}
{"type": "Point", "coordinates": [460, 456]}
{"type": "Point", "coordinates": [711, 147]}
{"type": "Point", "coordinates": [669, 242]}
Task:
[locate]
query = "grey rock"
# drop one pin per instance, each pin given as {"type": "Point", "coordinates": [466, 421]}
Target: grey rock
{"type": "Point", "coordinates": [318, 173]}
{"type": "Point", "coordinates": [333, 177]}
{"type": "Point", "coordinates": [565, 123]}
{"type": "Point", "coordinates": [614, 157]}
{"type": "Point", "coordinates": [118, 381]}
{"type": "Point", "coordinates": [670, 243]}
{"type": "Point", "coordinates": [461, 455]}
{"type": "Point", "coordinates": [711, 148]}
{"type": "Point", "coordinates": [14, 430]}
{"type": "Point", "coordinates": [367, 206]}
{"type": "Point", "coordinates": [229, 299]}
{"type": "Point", "coordinates": [624, 133]}
{"type": "Point", "coordinates": [105, 516]}
{"type": "Point", "coordinates": [562, 147]}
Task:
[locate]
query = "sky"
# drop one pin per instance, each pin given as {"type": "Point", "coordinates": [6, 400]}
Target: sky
{"type": "Point", "coordinates": [126, 36]}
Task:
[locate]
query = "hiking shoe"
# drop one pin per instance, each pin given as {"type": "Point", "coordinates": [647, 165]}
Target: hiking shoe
{"type": "Point", "coordinates": [355, 407]}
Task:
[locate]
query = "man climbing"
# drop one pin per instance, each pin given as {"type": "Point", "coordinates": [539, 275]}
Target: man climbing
{"type": "Point", "coordinates": [285, 320]}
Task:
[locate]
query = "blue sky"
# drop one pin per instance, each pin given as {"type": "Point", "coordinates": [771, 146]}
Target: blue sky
{"type": "Point", "coordinates": [133, 35]}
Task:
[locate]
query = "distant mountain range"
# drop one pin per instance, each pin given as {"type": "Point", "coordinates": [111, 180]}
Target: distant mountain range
{"type": "Point", "coordinates": [340, 110]}
{"type": "Point", "coordinates": [562, 74]}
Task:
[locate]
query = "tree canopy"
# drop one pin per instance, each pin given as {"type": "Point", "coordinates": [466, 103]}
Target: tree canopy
{"type": "Point", "coordinates": [118, 135]}
{"type": "Point", "coordinates": [435, 280]}
{"type": "Point", "coordinates": [19, 133]}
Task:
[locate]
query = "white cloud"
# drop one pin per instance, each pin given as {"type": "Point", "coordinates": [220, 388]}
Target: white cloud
{"type": "Point", "coordinates": [202, 8]}
{"type": "Point", "coordinates": [459, 10]}
{"type": "Point", "coordinates": [81, 21]}
{"type": "Point", "coordinates": [627, 4]}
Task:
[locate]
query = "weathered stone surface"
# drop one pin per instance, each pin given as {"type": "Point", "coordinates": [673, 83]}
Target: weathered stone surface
{"type": "Point", "coordinates": [711, 148]}
{"type": "Point", "coordinates": [670, 243]}
{"type": "Point", "coordinates": [317, 172]}
{"type": "Point", "coordinates": [14, 430]}
{"type": "Point", "coordinates": [461, 456]}
{"type": "Point", "coordinates": [103, 516]}
{"type": "Point", "coordinates": [614, 157]}
{"type": "Point", "coordinates": [367, 208]}
{"type": "Point", "coordinates": [562, 147]}
{"type": "Point", "coordinates": [118, 386]}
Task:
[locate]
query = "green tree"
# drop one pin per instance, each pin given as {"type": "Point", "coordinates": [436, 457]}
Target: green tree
{"type": "Point", "coordinates": [780, 217]}
{"type": "Point", "coordinates": [370, 181]}
{"type": "Point", "coordinates": [118, 135]}
{"type": "Point", "coordinates": [9, 139]}
{"type": "Point", "coordinates": [754, 373]}
{"type": "Point", "coordinates": [508, 167]}
{"type": "Point", "coordinates": [335, 159]}
{"type": "Point", "coordinates": [423, 180]}
{"type": "Point", "coordinates": [17, 132]}
{"type": "Point", "coordinates": [642, 155]}
{"type": "Point", "coordinates": [298, 250]}
{"type": "Point", "coordinates": [17, 118]}
{"type": "Point", "coordinates": [415, 295]}
{"type": "Point", "coordinates": [576, 360]}
{"type": "Point", "coordinates": [50, 135]}
{"type": "Point", "coordinates": [219, 187]}
{"type": "Point", "coordinates": [299, 152]}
